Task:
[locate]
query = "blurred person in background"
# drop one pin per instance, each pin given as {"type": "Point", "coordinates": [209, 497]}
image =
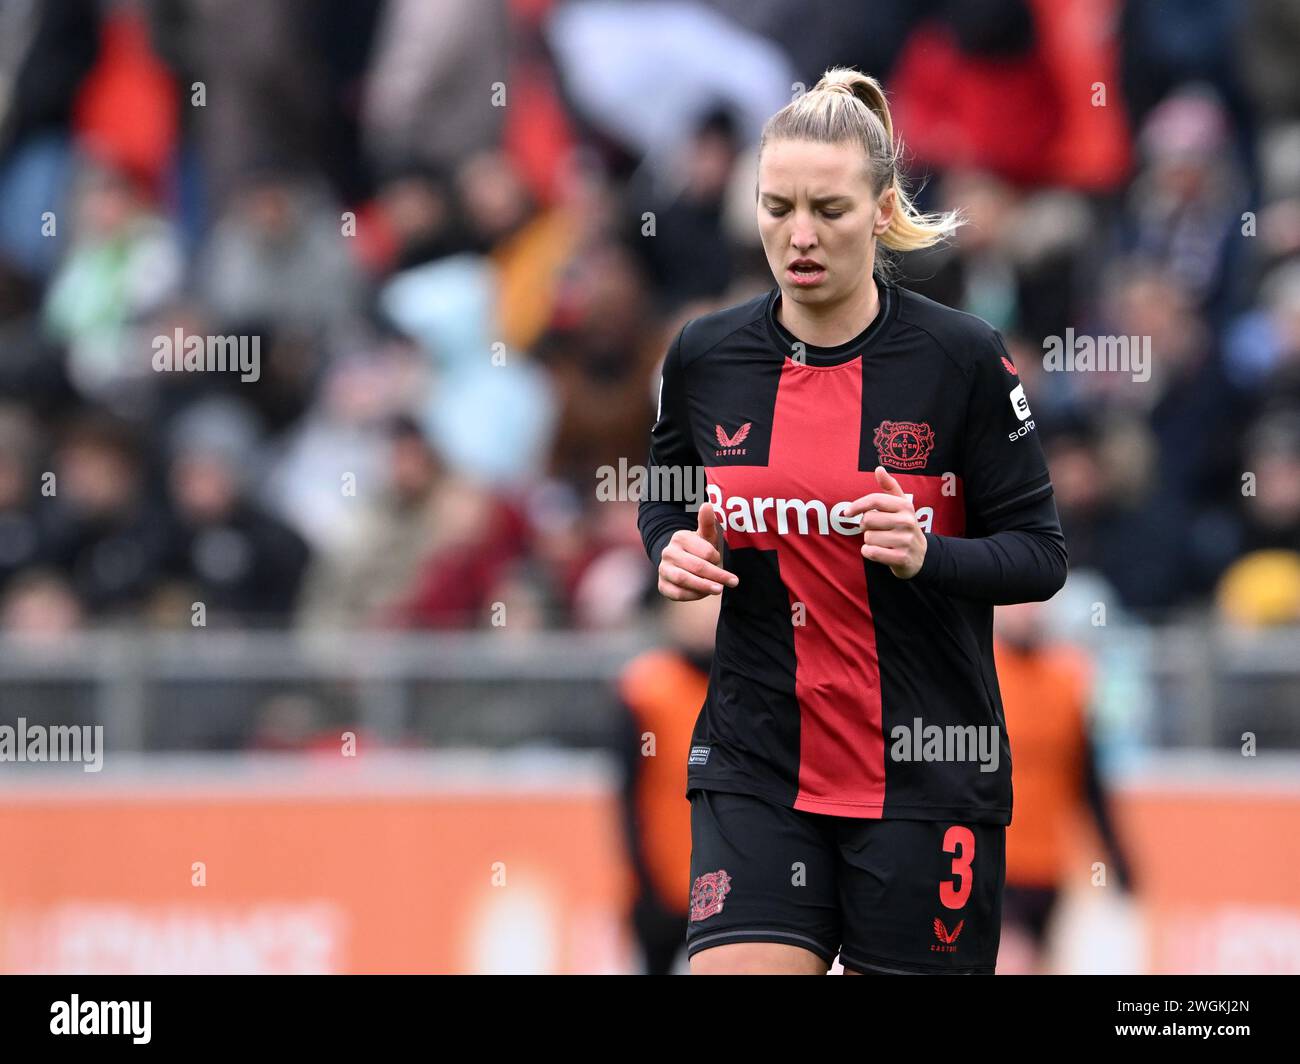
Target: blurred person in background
{"type": "Point", "coordinates": [414, 218]}
{"type": "Point", "coordinates": [328, 464]}
{"type": "Point", "coordinates": [1183, 214]}
{"type": "Point", "coordinates": [33, 372]}
{"type": "Point", "coordinates": [660, 694]}
{"type": "Point", "coordinates": [611, 590]}
{"type": "Point", "coordinates": [567, 532]}
{"type": "Point", "coordinates": [410, 520]}
{"type": "Point", "coordinates": [528, 246]}
{"type": "Point", "coordinates": [489, 409]}
{"type": "Point", "coordinates": [1271, 511]}
{"type": "Point", "coordinates": [1046, 691]}
{"type": "Point", "coordinates": [482, 534]}
{"type": "Point", "coordinates": [124, 262]}
{"type": "Point", "coordinates": [974, 90]}
{"type": "Point", "coordinates": [39, 605]}
{"type": "Point", "coordinates": [1101, 475]}
{"type": "Point", "coordinates": [1260, 587]}
{"type": "Point", "coordinates": [529, 603]}
{"type": "Point", "coordinates": [278, 253]}
{"type": "Point", "coordinates": [104, 529]}
{"type": "Point", "coordinates": [1172, 439]}
{"type": "Point", "coordinates": [41, 618]}
{"type": "Point", "coordinates": [492, 193]}
{"type": "Point", "coordinates": [1266, 54]}
{"type": "Point", "coordinates": [598, 356]}
{"type": "Point", "coordinates": [1155, 62]}
{"type": "Point", "coordinates": [1017, 260]}
{"type": "Point", "coordinates": [242, 563]}
{"type": "Point", "coordinates": [689, 256]}
{"type": "Point", "coordinates": [1262, 354]}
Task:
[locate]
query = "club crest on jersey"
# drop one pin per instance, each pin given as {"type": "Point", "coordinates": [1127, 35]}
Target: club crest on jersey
{"type": "Point", "coordinates": [948, 939]}
{"type": "Point", "coordinates": [731, 444]}
{"type": "Point", "coordinates": [904, 444]}
{"type": "Point", "coordinates": [707, 894]}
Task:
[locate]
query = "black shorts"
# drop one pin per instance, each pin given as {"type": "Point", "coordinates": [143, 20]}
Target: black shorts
{"type": "Point", "coordinates": [904, 896]}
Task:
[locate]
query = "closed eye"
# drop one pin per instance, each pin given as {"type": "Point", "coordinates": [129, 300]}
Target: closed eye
{"type": "Point", "coordinates": [777, 212]}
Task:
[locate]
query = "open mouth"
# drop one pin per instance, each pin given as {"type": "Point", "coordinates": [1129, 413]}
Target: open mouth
{"type": "Point", "coordinates": [806, 272]}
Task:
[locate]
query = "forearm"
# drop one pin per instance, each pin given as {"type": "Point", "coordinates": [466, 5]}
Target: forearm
{"type": "Point", "coordinates": [1025, 561]}
{"type": "Point", "coordinates": [672, 451]}
{"type": "Point", "coordinates": [658, 520]}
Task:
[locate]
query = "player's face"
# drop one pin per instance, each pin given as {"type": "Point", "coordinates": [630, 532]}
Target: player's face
{"type": "Point", "coordinates": [816, 203]}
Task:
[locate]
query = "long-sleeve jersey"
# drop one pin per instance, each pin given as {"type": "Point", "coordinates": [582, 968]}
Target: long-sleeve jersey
{"type": "Point", "coordinates": [836, 686]}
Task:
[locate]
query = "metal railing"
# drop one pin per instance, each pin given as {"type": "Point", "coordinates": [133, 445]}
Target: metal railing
{"type": "Point", "coordinates": [1171, 687]}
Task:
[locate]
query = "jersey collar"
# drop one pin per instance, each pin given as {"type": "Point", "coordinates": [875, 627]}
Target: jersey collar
{"type": "Point", "coordinates": [845, 352]}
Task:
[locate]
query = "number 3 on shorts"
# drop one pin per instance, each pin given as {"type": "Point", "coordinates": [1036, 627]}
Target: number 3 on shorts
{"type": "Point", "coordinates": [961, 841]}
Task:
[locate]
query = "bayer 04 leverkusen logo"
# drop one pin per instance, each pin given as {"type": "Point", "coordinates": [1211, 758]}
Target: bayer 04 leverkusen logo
{"type": "Point", "coordinates": [904, 444]}
{"type": "Point", "coordinates": [708, 893]}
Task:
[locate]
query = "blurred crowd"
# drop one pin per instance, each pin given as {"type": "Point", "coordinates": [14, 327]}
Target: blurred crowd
{"type": "Point", "coordinates": [462, 232]}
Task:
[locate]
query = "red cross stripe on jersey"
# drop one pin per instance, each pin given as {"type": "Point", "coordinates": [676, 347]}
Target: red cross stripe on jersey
{"type": "Point", "coordinates": [822, 568]}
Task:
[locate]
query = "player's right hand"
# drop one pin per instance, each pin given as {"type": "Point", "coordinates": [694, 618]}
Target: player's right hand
{"type": "Point", "coordinates": [691, 565]}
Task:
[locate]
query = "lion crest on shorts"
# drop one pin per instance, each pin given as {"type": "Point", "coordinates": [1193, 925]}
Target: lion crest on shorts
{"type": "Point", "coordinates": [707, 894]}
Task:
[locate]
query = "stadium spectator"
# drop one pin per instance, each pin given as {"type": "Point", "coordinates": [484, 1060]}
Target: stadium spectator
{"type": "Point", "coordinates": [411, 520]}
{"type": "Point", "coordinates": [124, 262]}
{"type": "Point", "coordinates": [104, 530]}
{"type": "Point", "coordinates": [660, 694]}
{"type": "Point", "coordinates": [243, 564]}
{"type": "Point", "coordinates": [40, 606]}
{"type": "Point", "coordinates": [277, 254]}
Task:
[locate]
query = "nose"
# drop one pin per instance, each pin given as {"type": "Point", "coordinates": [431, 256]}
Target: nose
{"type": "Point", "coordinates": [802, 235]}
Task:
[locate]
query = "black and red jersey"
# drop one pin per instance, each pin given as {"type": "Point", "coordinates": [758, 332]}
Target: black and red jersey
{"type": "Point", "coordinates": [830, 674]}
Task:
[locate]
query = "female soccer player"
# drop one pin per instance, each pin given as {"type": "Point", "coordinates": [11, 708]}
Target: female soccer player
{"type": "Point", "coordinates": [875, 485]}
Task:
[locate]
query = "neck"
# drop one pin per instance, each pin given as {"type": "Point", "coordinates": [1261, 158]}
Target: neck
{"type": "Point", "coordinates": [832, 324]}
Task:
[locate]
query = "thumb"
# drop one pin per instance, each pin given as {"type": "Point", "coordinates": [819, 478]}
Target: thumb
{"type": "Point", "coordinates": [887, 482]}
{"type": "Point", "coordinates": [707, 525]}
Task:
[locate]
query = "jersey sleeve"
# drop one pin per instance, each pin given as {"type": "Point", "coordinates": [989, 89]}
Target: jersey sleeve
{"type": "Point", "coordinates": [1004, 464]}
{"type": "Point", "coordinates": [1022, 558]}
{"type": "Point", "coordinates": [671, 445]}
{"type": "Point", "coordinates": [1016, 552]}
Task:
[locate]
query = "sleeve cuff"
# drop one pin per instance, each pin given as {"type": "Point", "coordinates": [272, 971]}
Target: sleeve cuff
{"type": "Point", "coordinates": [933, 561]}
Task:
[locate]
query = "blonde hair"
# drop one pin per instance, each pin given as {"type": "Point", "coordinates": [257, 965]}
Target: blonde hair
{"type": "Point", "coordinates": [849, 106]}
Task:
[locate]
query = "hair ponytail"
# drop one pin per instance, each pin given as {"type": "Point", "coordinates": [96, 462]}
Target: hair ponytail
{"type": "Point", "coordinates": [847, 105]}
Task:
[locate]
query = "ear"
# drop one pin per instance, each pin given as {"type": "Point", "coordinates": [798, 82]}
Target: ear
{"type": "Point", "coordinates": [886, 204]}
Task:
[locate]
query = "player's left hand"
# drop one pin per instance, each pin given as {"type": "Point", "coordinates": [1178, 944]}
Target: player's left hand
{"type": "Point", "coordinates": [890, 532]}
